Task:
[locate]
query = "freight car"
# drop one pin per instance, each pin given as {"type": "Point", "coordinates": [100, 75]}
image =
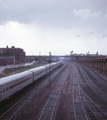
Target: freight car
{"type": "Point", "coordinates": [11, 84]}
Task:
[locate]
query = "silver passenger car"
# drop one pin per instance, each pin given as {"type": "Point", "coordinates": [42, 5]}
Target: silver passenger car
{"type": "Point", "coordinates": [11, 84]}
{"type": "Point", "coordinates": [38, 72]}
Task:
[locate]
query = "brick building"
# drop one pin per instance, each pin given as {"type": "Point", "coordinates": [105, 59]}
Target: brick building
{"type": "Point", "coordinates": [7, 60]}
{"type": "Point", "coordinates": [18, 53]}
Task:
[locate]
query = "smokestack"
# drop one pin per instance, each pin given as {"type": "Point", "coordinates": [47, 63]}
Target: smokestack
{"type": "Point", "coordinates": [13, 47]}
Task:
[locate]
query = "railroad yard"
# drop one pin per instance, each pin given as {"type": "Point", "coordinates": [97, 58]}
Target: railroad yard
{"type": "Point", "coordinates": [70, 92]}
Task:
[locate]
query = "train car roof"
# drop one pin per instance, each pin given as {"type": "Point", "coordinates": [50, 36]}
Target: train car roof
{"type": "Point", "coordinates": [50, 64]}
{"type": "Point", "coordinates": [37, 68]}
{"type": "Point", "coordinates": [14, 77]}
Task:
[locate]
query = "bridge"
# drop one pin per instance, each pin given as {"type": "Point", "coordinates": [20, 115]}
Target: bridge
{"type": "Point", "coordinates": [99, 62]}
{"type": "Point", "coordinates": [58, 57]}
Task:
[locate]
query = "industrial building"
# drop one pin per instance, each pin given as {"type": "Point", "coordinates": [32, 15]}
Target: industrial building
{"type": "Point", "coordinates": [12, 55]}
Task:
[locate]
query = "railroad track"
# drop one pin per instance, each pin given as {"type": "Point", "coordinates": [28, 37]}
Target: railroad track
{"type": "Point", "coordinates": [93, 86]}
{"type": "Point", "coordinates": [99, 81]}
{"type": "Point", "coordinates": [50, 108]}
{"type": "Point", "coordinates": [17, 108]}
{"type": "Point", "coordinates": [93, 110]}
{"type": "Point", "coordinates": [91, 106]}
{"type": "Point", "coordinates": [83, 106]}
{"type": "Point", "coordinates": [77, 108]}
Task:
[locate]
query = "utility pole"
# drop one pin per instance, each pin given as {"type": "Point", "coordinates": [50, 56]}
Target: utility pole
{"type": "Point", "coordinates": [49, 68]}
{"type": "Point", "coordinates": [39, 57]}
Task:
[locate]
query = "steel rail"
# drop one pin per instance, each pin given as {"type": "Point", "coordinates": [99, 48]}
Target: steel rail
{"type": "Point", "coordinates": [95, 75]}
{"type": "Point", "coordinates": [60, 83]}
{"type": "Point", "coordinates": [59, 93]}
{"type": "Point", "coordinates": [101, 112]}
{"type": "Point", "coordinates": [75, 79]}
{"type": "Point", "coordinates": [80, 95]}
{"type": "Point", "coordinates": [73, 99]}
{"type": "Point", "coordinates": [93, 86]}
{"type": "Point", "coordinates": [105, 115]}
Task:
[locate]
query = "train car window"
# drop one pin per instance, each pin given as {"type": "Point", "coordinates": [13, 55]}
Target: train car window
{"type": "Point", "coordinates": [14, 85]}
{"type": "Point", "coordinates": [8, 88]}
{"type": "Point", "coordinates": [2, 91]}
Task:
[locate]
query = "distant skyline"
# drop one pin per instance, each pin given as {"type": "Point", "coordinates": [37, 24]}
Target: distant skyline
{"type": "Point", "coordinates": [59, 27]}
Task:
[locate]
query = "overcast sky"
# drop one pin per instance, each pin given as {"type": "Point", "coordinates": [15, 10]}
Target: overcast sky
{"type": "Point", "coordinates": [59, 26]}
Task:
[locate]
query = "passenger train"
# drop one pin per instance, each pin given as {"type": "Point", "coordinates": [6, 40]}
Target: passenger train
{"type": "Point", "coordinates": [11, 84]}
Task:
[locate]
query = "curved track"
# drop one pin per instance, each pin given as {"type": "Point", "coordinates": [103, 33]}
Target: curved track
{"type": "Point", "coordinates": [92, 85]}
{"type": "Point", "coordinates": [95, 98]}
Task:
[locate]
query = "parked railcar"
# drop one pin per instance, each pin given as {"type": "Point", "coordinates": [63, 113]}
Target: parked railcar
{"type": "Point", "coordinates": [57, 64]}
{"type": "Point", "coordinates": [11, 84]}
{"type": "Point", "coordinates": [38, 72]}
{"type": "Point", "coordinates": [50, 67]}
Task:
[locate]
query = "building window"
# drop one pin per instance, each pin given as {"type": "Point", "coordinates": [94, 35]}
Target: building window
{"type": "Point", "coordinates": [1, 51]}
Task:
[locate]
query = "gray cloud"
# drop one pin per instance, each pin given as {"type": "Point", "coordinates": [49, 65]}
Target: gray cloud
{"type": "Point", "coordinates": [56, 20]}
{"type": "Point", "coordinates": [104, 35]}
{"type": "Point", "coordinates": [51, 13]}
{"type": "Point", "coordinates": [78, 35]}
{"type": "Point", "coordinates": [91, 32]}
{"type": "Point", "coordinates": [43, 12]}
